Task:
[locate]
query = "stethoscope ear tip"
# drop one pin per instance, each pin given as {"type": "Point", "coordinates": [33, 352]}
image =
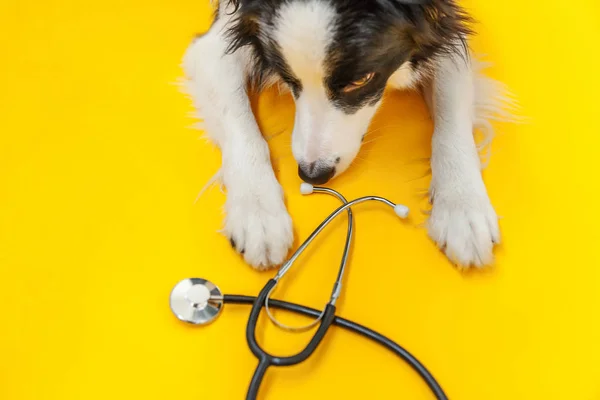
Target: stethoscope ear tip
{"type": "Point", "coordinates": [306, 188]}
{"type": "Point", "coordinates": [401, 210]}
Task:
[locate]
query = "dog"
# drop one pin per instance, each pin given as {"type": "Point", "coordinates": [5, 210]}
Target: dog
{"type": "Point", "coordinates": [337, 57]}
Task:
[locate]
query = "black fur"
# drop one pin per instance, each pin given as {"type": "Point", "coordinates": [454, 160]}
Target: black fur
{"type": "Point", "coordinates": [371, 36]}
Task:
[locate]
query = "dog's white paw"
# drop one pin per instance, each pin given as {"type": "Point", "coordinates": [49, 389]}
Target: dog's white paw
{"type": "Point", "coordinates": [258, 224]}
{"type": "Point", "coordinates": [465, 229]}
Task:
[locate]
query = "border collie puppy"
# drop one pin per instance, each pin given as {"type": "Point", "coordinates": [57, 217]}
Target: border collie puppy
{"type": "Point", "coordinates": [337, 57]}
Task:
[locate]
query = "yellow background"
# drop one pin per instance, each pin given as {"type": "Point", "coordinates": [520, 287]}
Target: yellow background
{"type": "Point", "coordinates": [98, 175]}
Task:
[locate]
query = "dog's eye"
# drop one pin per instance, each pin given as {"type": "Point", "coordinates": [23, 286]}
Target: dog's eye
{"type": "Point", "coordinates": [359, 83]}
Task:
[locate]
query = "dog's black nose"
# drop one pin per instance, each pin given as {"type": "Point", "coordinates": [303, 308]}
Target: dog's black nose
{"type": "Point", "coordinates": [315, 174]}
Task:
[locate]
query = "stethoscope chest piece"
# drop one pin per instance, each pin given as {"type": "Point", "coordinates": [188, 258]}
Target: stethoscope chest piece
{"type": "Point", "coordinates": [196, 301]}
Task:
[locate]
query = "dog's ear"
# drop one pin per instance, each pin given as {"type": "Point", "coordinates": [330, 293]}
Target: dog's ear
{"type": "Point", "coordinates": [406, 2]}
{"type": "Point", "coordinates": [416, 2]}
{"type": "Point", "coordinates": [435, 26]}
{"type": "Point", "coordinates": [244, 26]}
{"type": "Point", "coordinates": [233, 3]}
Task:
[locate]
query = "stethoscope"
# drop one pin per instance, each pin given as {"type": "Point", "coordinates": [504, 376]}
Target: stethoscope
{"type": "Point", "coordinates": [198, 301]}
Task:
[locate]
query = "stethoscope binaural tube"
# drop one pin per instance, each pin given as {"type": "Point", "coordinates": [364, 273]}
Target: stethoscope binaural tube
{"type": "Point", "coordinates": [326, 317]}
{"type": "Point", "coordinates": [306, 189]}
{"type": "Point", "coordinates": [400, 210]}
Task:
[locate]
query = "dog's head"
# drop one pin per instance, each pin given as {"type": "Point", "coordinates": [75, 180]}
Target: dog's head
{"type": "Point", "coordinates": [336, 56]}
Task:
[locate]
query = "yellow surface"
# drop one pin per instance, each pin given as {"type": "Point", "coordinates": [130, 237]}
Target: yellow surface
{"type": "Point", "coordinates": [98, 175]}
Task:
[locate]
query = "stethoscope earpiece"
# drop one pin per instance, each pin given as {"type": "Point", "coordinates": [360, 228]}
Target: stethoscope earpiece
{"type": "Point", "coordinates": [306, 188]}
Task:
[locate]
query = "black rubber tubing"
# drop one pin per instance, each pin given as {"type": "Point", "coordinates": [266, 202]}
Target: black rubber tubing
{"type": "Point", "coordinates": [345, 324]}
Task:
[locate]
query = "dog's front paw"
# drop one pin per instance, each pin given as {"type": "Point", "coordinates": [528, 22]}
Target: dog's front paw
{"type": "Point", "coordinates": [465, 228]}
{"type": "Point", "coordinates": [258, 225]}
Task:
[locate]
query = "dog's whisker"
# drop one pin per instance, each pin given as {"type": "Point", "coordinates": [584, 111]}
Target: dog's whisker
{"type": "Point", "coordinates": [427, 174]}
{"type": "Point", "coordinates": [380, 128]}
{"type": "Point", "coordinates": [216, 178]}
{"type": "Point", "coordinates": [378, 138]}
{"type": "Point", "coordinates": [274, 135]}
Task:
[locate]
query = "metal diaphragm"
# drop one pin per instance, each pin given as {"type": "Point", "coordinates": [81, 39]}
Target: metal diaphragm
{"type": "Point", "coordinates": [196, 301]}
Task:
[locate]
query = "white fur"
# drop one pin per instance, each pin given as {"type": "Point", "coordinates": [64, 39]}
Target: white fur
{"type": "Point", "coordinates": [462, 220]}
{"type": "Point", "coordinates": [256, 216]}
{"type": "Point", "coordinates": [404, 77]}
{"type": "Point", "coordinates": [492, 102]}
